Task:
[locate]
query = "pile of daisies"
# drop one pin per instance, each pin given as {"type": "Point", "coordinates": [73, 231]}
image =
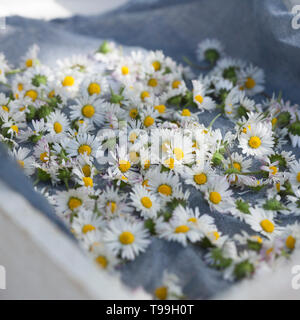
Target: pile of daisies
{"type": "Point", "coordinates": [116, 143]}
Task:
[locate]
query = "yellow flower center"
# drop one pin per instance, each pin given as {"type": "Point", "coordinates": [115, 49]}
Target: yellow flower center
{"type": "Point", "coordinates": [132, 137]}
{"type": "Point", "coordinates": [156, 65]}
{"type": "Point", "coordinates": [134, 156]}
{"type": "Point", "coordinates": [169, 163]}
{"type": "Point", "coordinates": [126, 238]}
{"type": "Point", "coordinates": [102, 261]}
{"type": "Point", "coordinates": [144, 95]}
{"type": "Point", "coordinates": [290, 242]}
{"type": "Point", "coordinates": [145, 183]}
{"type": "Point", "coordinates": [20, 87]}
{"type": "Point", "coordinates": [94, 88]}
{"type": "Point", "coordinates": [87, 228]}
{"type": "Point", "coordinates": [44, 157]}
{"type": "Point", "coordinates": [257, 238]}
{"type": "Point", "coordinates": [193, 219]}
{"type": "Point", "coordinates": [146, 202]}
{"type": "Point", "coordinates": [31, 94]}
{"type": "Point", "coordinates": [74, 203]}
{"type": "Point", "coordinates": [112, 206]}
{"type": "Point", "coordinates": [200, 178]}
{"type": "Point", "coordinates": [186, 113]}
{"type": "Point", "coordinates": [88, 111]}
{"type": "Point", "coordinates": [148, 121]}
{"type": "Point", "coordinates": [51, 94]}
{"type": "Point", "coordinates": [179, 154]}
{"type": "Point", "coordinates": [273, 169]}
{"type": "Point", "coordinates": [5, 108]}
{"type": "Point", "coordinates": [88, 182]}
{"type": "Point", "coordinates": [165, 146]}
{"type": "Point", "coordinates": [57, 127]}
{"type": "Point", "coordinates": [254, 142]}
{"type": "Point", "coordinates": [125, 70]}
{"type": "Point", "coordinates": [278, 186]}
{"type": "Point", "coordinates": [86, 169]}
{"type": "Point", "coordinates": [182, 229]}
{"type": "Point", "coordinates": [147, 164]}
{"type": "Point", "coordinates": [176, 84]}
{"type": "Point", "coordinates": [267, 225]}
{"type": "Point", "coordinates": [21, 163]}
{"type": "Point", "coordinates": [29, 63]}
{"type": "Point", "coordinates": [237, 166]}
{"type": "Point", "coordinates": [161, 293]}
{"type": "Point", "coordinates": [124, 165]}
{"type": "Point", "coordinates": [161, 108]}
{"type": "Point", "coordinates": [68, 81]}
{"type": "Point", "coordinates": [199, 98]}
{"type": "Point", "coordinates": [84, 148]}
{"type": "Point", "coordinates": [250, 83]}
{"type": "Point", "coordinates": [15, 128]}
{"type": "Point", "coordinates": [298, 176]}
{"type": "Point", "coordinates": [152, 82]}
{"type": "Point", "coordinates": [133, 113]}
{"type": "Point", "coordinates": [165, 189]}
{"type": "Point", "coordinates": [274, 121]}
{"type": "Point", "coordinates": [216, 235]}
{"type": "Point", "coordinates": [215, 197]}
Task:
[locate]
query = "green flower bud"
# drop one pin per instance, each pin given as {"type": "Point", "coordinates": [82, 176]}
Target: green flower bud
{"type": "Point", "coordinates": [243, 269]}
{"type": "Point", "coordinates": [212, 55]}
{"type": "Point", "coordinates": [38, 80]}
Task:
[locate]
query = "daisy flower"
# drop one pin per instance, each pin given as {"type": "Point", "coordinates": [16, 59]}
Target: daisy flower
{"type": "Point", "coordinates": [145, 202]}
{"type": "Point", "coordinates": [126, 237]}
{"type": "Point", "coordinates": [86, 221]}
{"type": "Point", "coordinates": [218, 195]}
{"type": "Point", "coordinates": [112, 203]}
{"type": "Point", "coordinates": [202, 101]}
{"type": "Point", "coordinates": [71, 201]}
{"type": "Point", "coordinates": [79, 63]}
{"type": "Point", "coordinates": [210, 50]}
{"type": "Point", "coordinates": [294, 174]}
{"type": "Point", "coordinates": [104, 258]}
{"type": "Point", "coordinates": [199, 176]}
{"type": "Point", "coordinates": [83, 143]}
{"type": "Point", "coordinates": [178, 228]}
{"type": "Point", "coordinates": [68, 83]}
{"type": "Point", "coordinates": [30, 59]}
{"type": "Point", "coordinates": [57, 124]}
{"type": "Point", "coordinates": [169, 288]}
{"type": "Point", "coordinates": [241, 165]}
{"type": "Point", "coordinates": [42, 151]}
{"type": "Point", "coordinates": [94, 84]}
{"type": "Point", "coordinates": [262, 221]}
{"type": "Point", "coordinates": [251, 80]}
{"type": "Point", "coordinates": [165, 184]}
{"type": "Point", "coordinates": [291, 236]}
{"type": "Point", "coordinates": [87, 108]}
{"type": "Point", "coordinates": [257, 140]}
{"type": "Point", "coordinates": [24, 160]}
{"type": "Point", "coordinates": [82, 179]}
{"type": "Point", "coordinates": [228, 68]}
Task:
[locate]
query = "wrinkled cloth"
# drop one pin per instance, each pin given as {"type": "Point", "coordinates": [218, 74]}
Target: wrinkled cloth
{"type": "Point", "coordinates": [255, 30]}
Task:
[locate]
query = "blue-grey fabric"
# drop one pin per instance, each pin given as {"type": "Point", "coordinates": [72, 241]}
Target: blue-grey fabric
{"type": "Point", "coordinates": [258, 31]}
